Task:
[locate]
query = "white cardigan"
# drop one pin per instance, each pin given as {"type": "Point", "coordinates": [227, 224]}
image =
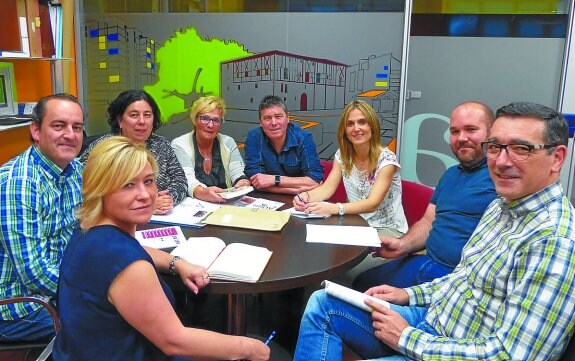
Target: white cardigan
{"type": "Point", "coordinates": [231, 158]}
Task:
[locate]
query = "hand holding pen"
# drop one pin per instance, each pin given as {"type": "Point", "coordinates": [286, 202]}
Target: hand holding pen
{"type": "Point", "coordinates": [298, 203]}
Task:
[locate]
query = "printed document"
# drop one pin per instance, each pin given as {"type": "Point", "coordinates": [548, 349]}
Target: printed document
{"type": "Point", "coordinates": [159, 238]}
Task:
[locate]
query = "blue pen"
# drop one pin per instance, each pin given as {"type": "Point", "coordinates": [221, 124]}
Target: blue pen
{"type": "Point", "coordinates": [300, 198]}
{"type": "Point", "coordinates": [270, 337]}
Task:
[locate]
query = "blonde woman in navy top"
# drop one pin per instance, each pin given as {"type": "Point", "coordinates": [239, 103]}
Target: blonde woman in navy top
{"type": "Point", "coordinates": [113, 304]}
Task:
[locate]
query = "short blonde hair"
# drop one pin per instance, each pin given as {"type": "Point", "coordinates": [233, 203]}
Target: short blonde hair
{"type": "Point", "coordinates": [347, 151]}
{"type": "Point", "coordinates": [205, 105]}
{"type": "Point", "coordinates": [111, 164]}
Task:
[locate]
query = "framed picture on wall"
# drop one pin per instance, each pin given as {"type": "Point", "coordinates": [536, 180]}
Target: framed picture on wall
{"type": "Point", "coordinates": [8, 104]}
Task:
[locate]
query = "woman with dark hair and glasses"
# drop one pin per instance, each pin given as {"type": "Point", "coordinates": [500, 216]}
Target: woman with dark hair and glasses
{"type": "Point", "coordinates": [211, 161]}
{"type": "Point", "coordinates": [135, 115]}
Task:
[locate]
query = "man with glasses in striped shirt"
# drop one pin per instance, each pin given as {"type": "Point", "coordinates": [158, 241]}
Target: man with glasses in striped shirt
{"type": "Point", "coordinates": [39, 190]}
{"type": "Point", "coordinates": [511, 296]}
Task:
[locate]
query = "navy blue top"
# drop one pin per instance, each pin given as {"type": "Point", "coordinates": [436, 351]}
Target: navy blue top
{"type": "Point", "coordinates": [92, 328]}
{"type": "Point", "coordinates": [460, 199]}
{"type": "Point", "coordinates": [298, 157]}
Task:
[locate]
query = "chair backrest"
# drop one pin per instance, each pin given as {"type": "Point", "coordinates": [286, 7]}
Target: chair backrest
{"type": "Point", "coordinates": [340, 195]}
{"type": "Point", "coordinates": [21, 349]}
{"type": "Point", "coordinates": [415, 199]}
{"type": "Point", "coordinates": [569, 354]}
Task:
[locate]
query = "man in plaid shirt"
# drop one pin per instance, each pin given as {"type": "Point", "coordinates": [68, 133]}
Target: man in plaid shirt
{"type": "Point", "coordinates": [511, 296]}
{"type": "Point", "coordinates": [39, 190]}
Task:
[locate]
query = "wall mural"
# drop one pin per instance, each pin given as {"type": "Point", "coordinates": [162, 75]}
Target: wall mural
{"type": "Point", "coordinates": [121, 52]}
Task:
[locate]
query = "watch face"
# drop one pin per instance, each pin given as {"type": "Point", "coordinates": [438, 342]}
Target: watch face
{"type": "Point", "coordinates": [277, 180]}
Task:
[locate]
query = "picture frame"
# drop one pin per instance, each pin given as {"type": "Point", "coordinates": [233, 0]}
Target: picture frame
{"type": "Point", "coordinates": [8, 101]}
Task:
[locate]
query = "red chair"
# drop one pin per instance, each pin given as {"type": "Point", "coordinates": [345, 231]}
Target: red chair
{"type": "Point", "coordinates": [415, 199]}
{"type": "Point", "coordinates": [339, 195]}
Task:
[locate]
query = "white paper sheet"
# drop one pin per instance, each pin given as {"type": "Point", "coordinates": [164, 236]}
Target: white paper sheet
{"type": "Point", "coordinates": [350, 235]}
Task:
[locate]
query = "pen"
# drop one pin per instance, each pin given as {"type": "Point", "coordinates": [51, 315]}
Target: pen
{"type": "Point", "coordinates": [270, 337]}
{"type": "Point", "coordinates": [300, 198]}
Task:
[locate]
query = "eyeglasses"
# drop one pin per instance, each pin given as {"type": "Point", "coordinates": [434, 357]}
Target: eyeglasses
{"type": "Point", "coordinates": [517, 152]}
{"type": "Point", "coordinates": [205, 120]}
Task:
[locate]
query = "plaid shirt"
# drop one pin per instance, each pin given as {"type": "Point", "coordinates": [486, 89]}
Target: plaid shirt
{"type": "Point", "coordinates": [36, 221]}
{"type": "Point", "coordinates": [511, 297]}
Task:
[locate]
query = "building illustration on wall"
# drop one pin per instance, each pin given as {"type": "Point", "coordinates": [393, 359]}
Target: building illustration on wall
{"type": "Point", "coordinates": [116, 58]}
{"type": "Point", "coordinates": [311, 86]}
{"type": "Point", "coordinates": [314, 89]}
{"type": "Point", "coordinates": [376, 80]}
{"type": "Point", "coordinates": [303, 82]}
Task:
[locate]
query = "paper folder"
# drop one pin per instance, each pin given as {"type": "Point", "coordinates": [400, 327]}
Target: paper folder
{"type": "Point", "coordinates": [251, 218]}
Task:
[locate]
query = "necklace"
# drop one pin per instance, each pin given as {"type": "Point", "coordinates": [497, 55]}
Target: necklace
{"type": "Point", "coordinates": [360, 162]}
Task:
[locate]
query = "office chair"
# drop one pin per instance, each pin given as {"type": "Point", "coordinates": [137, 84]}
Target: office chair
{"type": "Point", "coordinates": [23, 350]}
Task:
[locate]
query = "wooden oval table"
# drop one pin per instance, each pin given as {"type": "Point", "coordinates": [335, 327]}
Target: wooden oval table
{"type": "Point", "coordinates": [294, 262]}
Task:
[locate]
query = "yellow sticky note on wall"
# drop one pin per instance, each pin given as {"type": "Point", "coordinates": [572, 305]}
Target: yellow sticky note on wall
{"type": "Point", "coordinates": [114, 79]}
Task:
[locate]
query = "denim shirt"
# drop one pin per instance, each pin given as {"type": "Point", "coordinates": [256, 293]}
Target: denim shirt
{"type": "Point", "coordinates": [298, 157]}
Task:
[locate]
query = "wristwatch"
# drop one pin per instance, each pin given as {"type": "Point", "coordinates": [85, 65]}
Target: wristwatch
{"type": "Point", "coordinates": [341, 209]}
{"type": "Point", "coordinates": [277, 179]}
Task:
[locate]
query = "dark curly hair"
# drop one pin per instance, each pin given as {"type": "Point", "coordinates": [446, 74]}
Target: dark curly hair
{"type": "Point", "coordinates": [118, 106]}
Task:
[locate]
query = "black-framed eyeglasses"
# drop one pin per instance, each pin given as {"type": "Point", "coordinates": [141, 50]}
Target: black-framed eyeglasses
{"type": "Point", "coordinates": [515, 151]}
{"type": "Point", "coordinates": [205, 120]}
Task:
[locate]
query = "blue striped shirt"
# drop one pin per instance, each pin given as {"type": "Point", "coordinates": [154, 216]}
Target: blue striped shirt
{"type": "Point", "coordinates": [511, 297]}
{"type": "Point", "coordinates": [36, 221]}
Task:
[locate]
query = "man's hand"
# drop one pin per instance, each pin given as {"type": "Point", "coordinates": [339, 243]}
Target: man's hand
{"type": "Point", "coordinates": [391, 294]}
{"type": "Point", "coordinates": [390, 247]}
{"type": "Point", "coordinates": [164, 202]}
{"type": "Point", "coordinates": [261, 181]}
{"type": "Point", "coordinates": [387, 323]}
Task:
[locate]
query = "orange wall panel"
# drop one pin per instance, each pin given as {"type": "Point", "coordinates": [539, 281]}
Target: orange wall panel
{"type": "Point", "coordinates": [33, 79]}
{"type": "Point", "coordinates": [14, 141]}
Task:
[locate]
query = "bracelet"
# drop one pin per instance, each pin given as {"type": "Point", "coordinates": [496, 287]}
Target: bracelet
{"type": "Point", "coordinates": [172, 264]}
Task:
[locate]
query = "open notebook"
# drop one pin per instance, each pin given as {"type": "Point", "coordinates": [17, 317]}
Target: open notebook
{"type": "Point", "coordinates": [234, 262]}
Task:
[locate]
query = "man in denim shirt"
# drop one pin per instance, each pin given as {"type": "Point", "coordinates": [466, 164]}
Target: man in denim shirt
{"type": "Point", "coordinates": [280, 157]}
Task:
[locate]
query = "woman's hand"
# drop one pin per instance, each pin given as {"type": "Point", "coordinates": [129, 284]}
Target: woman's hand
{"type": "Point", "coordinates": [193, 276]}
{"type": "Point", "coordinates": [298, 202]}
{"type": "Point", "coordinates": [164, 202]}
{"type": "Point", "coordinates": [242, 183]}
{"type": "Point", "coordinates": [257, 350]}
{"type": "Point", "coordinates": [321, 208]}
{"type": "Point", "coordinates": [209, 194]}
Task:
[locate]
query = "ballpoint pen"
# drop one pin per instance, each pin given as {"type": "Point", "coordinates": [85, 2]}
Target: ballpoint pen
{"type": "Point", "coordinates": [270, 337]}
{"type": "Point", "coordinates": [300, 198]}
